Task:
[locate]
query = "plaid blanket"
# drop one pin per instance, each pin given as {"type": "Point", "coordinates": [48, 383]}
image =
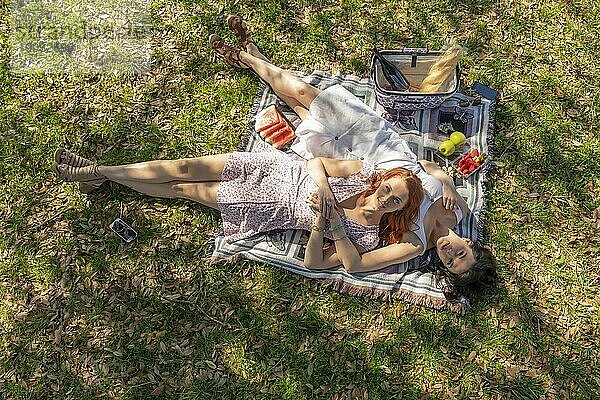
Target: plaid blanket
{"type": "Point", "coordinates": [411, 281]}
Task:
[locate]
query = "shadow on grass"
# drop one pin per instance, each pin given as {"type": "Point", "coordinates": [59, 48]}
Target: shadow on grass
{"type": "Point", "coordinates": [553, 178]}
{"type": "Point", "coordinates": [128, 318]}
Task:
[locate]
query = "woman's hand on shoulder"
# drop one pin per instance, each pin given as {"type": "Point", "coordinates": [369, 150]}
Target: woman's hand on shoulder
{"type": "Point", "coordinates": [452, 199]}
{"type": "Point", "coordinates": [450, 196]}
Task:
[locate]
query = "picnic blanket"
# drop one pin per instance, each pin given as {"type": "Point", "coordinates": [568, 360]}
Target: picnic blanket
{"type": "Point", "coordinates": [412, 281]}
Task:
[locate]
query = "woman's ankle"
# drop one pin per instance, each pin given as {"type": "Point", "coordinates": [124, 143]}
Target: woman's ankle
{"type": "Point", "coordinates": [102, 170]}
{"type": "Point", "coordinates": [247, 58]}
{"type": "Point", "coordinates": [253, 50]}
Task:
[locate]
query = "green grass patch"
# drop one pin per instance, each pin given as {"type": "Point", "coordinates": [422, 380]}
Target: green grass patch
{"type": "Point", "coordinates": [83, 316]}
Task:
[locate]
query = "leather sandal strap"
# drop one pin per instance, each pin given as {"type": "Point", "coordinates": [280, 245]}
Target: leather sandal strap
{"type": "Point", "coordinates": [63, 156]}
{"type": "Point", "coordinates": [87, 174]}
{"type": "Point", "coordinates": [231, 54]}
{"type": "Point", "coordinates": [239, 29]}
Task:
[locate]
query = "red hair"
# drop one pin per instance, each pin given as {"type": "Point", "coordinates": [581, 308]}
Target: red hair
{"type": "Point", "coordinates": [393, 225]}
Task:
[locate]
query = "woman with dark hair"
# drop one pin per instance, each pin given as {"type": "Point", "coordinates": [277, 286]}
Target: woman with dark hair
{"type": "Point", "coordinates": [336, 124]}
{"type": "Point", "coordinates": [479, 276]}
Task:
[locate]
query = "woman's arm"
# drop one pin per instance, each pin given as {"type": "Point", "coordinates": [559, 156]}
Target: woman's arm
{"type": "Point", "coordinates": [409, 248]}
{"type": "Point", "coordinates": [313, 255]}
{"type": "Point", "coordinates": [319, 169]}
{"type": "Point", "coordinates": [347, 253]}
{"type": "Point", "coordinates": [450, 195]}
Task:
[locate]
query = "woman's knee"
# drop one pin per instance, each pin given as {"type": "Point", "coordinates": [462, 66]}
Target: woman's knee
{"type": "Point", "coordinates": [182, 191]}
{"type": "Point", "coordinates": [183, 167]}
{"type": "Point", "coordinates": [305, 93]}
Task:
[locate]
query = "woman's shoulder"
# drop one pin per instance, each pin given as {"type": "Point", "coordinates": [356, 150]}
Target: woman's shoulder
{"type": "Point", "coordinates": [441, 214]}
{"type": "Point", "coordinates": [431, 185]}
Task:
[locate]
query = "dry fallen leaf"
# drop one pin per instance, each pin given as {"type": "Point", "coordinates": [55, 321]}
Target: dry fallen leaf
{"type": "Point", "coordinates": [472, 356]}
{"type": "Point", "coordinates": [21, 316]}
{"type": "Point", "coordinates": [513, 371]}
{"type": "Point", "coordinates": [158, 390]}
{"type": "Point", "coordinates": [57, 336]}
{"type": "Point", "coordinates": [572, 112]}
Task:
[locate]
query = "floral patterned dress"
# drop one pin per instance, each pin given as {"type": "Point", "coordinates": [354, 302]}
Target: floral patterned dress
{"type": "Point", "coordinates": [265, 191]}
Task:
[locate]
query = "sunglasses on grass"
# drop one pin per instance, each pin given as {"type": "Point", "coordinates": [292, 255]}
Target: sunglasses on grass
{"type": "Point", "coordinates": [123, 230]}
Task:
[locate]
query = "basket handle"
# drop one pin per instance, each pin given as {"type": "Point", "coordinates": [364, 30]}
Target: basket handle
{"type": "Point", "coordinates": [420, 51]}
{"type": "Point", "coordinates": [414, 52]}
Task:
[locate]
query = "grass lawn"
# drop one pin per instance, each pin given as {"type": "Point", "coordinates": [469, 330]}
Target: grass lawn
{"type": "Point", "coordinates": [84, 317]}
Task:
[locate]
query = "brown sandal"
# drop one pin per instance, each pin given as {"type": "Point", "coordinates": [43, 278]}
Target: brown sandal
{"type": "Point", "coordinates": [240, 30]}
{"type": "Point", "coordinates": [62, 156]}
{"type": "Point", "coordinates": [230, 54]}
{"type": "Point", "coordinates": [88, 177]}
{"type": "Point", "coordinates": [88, 174]}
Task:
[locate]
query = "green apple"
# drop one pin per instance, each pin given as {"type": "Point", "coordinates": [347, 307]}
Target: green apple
{"type": "Point", "coordinates": [447, 147]}
{"type": "Point", "coordinates": [458, 138]}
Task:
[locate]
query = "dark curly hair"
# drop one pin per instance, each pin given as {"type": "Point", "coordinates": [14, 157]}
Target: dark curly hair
{"type": "Point", "coordinates": [472, 283]}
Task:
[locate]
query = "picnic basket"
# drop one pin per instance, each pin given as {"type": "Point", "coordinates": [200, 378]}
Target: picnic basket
{"type": "Point", "coordinates": [415, 64]}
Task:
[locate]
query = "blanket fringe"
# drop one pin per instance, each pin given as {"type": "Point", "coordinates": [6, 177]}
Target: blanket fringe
{"type": "Point", "coordinates": [371, 293]}
{"type": "Point", "coordinates": [403, 295]}
{"type": "Point", "coordinates": [482, 232]}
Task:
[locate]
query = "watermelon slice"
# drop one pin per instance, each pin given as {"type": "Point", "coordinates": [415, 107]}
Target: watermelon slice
{"type": "Point", "coordinates": [267, 118]}
{"type": "Point", "coordinates": [283, 139]}
{"type": "Point", "coordinates": [276, 135]}
{"type": "Point", "coordinates": [273, 127]}
{"type": "Point", "coordinates": [267, 133]}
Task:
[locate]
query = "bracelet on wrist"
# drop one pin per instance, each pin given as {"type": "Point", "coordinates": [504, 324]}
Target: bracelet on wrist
{"type": "Point", "coordinates": [318, 229]}
{"type": "Point", "coordinates": [340, 238]}
{"type": "Point", "coordinates": [335, 228]}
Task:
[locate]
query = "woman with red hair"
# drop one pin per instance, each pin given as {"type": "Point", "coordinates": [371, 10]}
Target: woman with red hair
{"type": "Point", "coordinates": [260, 192]}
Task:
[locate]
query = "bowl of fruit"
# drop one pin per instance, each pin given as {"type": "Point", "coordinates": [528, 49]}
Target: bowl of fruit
{"type": "Point", "coordinates": [469, 163]}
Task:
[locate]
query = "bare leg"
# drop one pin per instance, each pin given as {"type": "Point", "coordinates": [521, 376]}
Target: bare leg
{"type": "Point", "coordinates": [201, 192]}
{"type": "Point", "coordinates": [252, 49]}
{"type": "Point", "coordinates": [296, 93]}
{"type": "Point", "coordinates": [201, 169]}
